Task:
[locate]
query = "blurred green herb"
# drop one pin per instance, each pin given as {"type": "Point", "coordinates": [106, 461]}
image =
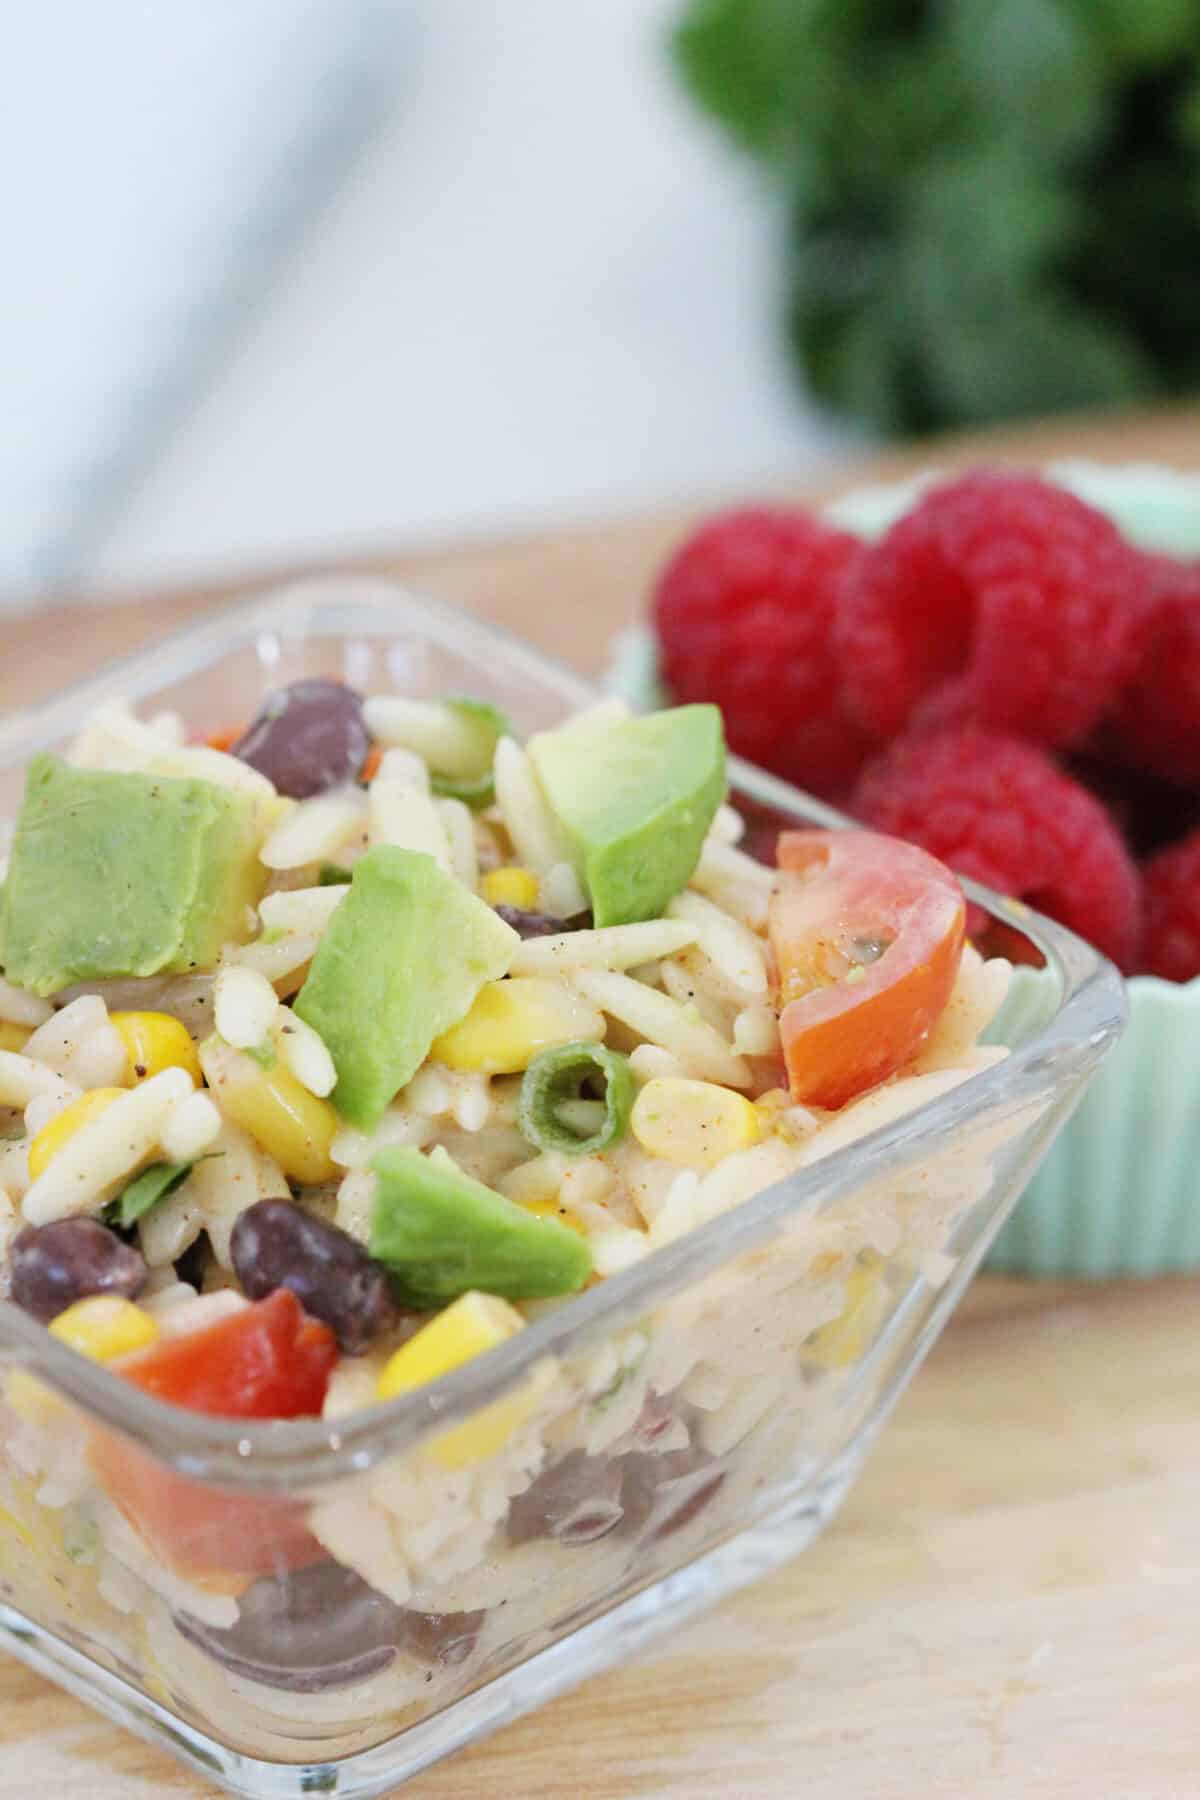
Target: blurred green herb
{"type": "Point", "coordinates": [152, 1185]}
{"type": "Point", "coordinates": [992, 206]}
{"type": "Point", "coordinates": [145, 1191]}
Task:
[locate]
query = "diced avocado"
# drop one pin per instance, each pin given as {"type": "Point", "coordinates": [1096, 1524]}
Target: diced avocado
{"type": "Point", "coordinates": [441, 1234]}
{"type": "Point", "coordinates": [401, 961]}
{"type": "Point", "coordinates": [635, 798]}
{"type": "Point", "coordinates": [125, 874]}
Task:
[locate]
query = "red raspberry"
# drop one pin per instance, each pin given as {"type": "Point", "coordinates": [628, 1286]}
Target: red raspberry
{"type": "Point", "coordinates": [1172, 886]}
{"type": "Point", "coordinates": [1002, 811]}
{"type": "Point", "coordinates": [1010, 589]}
{"type": "Point", "coordinates": [744, 612]}
{"type": "Point", "coordinates": [1158, 717]}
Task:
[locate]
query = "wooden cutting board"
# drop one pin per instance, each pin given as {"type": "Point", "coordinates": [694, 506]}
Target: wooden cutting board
{"type": "Point", "coordinates": [1007, 1607]}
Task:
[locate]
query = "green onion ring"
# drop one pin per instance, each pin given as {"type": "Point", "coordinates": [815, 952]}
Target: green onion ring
{"type": "Point", "coordinates": [479, 790]}
{"type": "Point", "coordinates": [559, 1075]}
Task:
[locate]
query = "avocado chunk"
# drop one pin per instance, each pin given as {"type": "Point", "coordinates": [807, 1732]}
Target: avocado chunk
{"type": "Point", "coordinates": [401, 961]}
{"type": "Point", "coordinates": [440, 1234]}
{"type": "Point", "coordinates": [635, 799]}
{"type": "Point", "coordinates": [125, 874]}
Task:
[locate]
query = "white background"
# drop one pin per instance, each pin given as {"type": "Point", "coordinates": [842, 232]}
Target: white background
{"type": "Point", "coordinates": [154, 160]}
{"type": "Point", "coordinates": [545, 288]}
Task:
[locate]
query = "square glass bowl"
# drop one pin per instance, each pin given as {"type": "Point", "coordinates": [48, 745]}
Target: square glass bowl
{"type": "Point", "coordinates": [660, 1439]}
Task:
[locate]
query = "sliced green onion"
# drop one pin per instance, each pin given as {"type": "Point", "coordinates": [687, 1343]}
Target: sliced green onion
{"type": "Point", "coordinates": [489, 725]}
{"type": "Point", "coordinates": [557, 1080]}
{"type": "Point", "coordinates": [333, 875]}
{"type": "Point", "coordinates": [145, 1191]}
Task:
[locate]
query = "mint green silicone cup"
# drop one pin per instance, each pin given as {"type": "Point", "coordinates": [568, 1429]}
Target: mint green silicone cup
{"type": "Point", "coordinates": [1119, 1192]}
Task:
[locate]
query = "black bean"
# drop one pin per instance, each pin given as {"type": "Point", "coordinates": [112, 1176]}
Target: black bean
{"type": "Point", "coordinates": [194, 1263]}
{"type": "Point", "coordinates": [50, 1266]}
{"type": "Point", "coordinates": [657, 1415]}
{"type": "Point", "coordinates": [536, 924]}
{"type": "Point", "coordinates": [315, 1628]}
{"type": "Point", "coordinates": [308, 737]}
{"type": "Point", "coordinates": [445, 1638]}
{"type": "Point", "coordinates": [662, 1494]}
{"type": "Point", "coordinates": [324, 1627]}
{"type": "Point", "coordinates": [275, 1244]}
{"type": "Point", "coordinates": [574, 1501]}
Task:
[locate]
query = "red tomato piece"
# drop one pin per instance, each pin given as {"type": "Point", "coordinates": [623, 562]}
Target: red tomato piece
{"type": "Point", "coordinates": [204, 1533]}
{"type": "Point", "coordinates": [269, 1361]}
{"type": "Point", "coordinates": [222, 739]}
{"type": "Point", "coordinates": [868, 934]}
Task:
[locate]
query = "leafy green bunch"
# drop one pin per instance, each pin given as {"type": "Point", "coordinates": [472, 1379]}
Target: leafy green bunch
{"type": "Point", "coordinates": [993, 206]}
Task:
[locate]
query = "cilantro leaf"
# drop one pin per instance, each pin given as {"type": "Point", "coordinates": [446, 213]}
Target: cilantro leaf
{"type": "Point", "coordinates": [145, 1191]}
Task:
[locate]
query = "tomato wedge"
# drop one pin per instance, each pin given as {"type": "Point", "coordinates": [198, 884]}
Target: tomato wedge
{"type": "Point", "coordinates": [868, 934]}
{"type": "Point", "coordinates": [268, 1361]}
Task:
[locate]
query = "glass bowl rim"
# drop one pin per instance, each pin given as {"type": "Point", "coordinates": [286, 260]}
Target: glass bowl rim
{"type": "Point", "coordinates": [256, 1456]}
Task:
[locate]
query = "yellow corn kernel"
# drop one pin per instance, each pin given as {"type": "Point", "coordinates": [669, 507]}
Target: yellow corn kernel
{"type": "Point", "coordinates": [695, 1123]}
{"type": "Point", "coordinates": [31, 1399]}
{"type": "Point", "coordinates": [511, 1021]}
{"type": "Point", "coordinates": [105, 1326]}
{"type": "Point", "coordinates": [220, 1581]}
{"type": "Point", "coordinates": [469, 1326]}
{"type": "Point", "coordinates": [554, 1209]}
{"type": "Point", "coordinates": [779, 1116]}
{"type": "Point", "coordinates": [48, 1537]}
{"type": "Point", "coordinates": [17, 1527]}
{"type": "Point", "coordinates": [63, 1126]}
{"type": "Point", "coordinates": [768, 1106]}
{"type": "Point", "coordinates": [847, 1337]}
{"type": "Point", "coordinates": [14, 1037]}
{"type": "Point", "coordinates": [155, 1041]}
{"type": "Point", "coordinates": [270, 1105]}
{"type": "Point", "coordinates": [511, 886]}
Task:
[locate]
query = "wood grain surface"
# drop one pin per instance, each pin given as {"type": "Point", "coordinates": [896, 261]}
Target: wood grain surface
{"type": "Point", "coordinates": [1007, 1605]}
{"type": "Point", "coordinates": [568, 590]}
